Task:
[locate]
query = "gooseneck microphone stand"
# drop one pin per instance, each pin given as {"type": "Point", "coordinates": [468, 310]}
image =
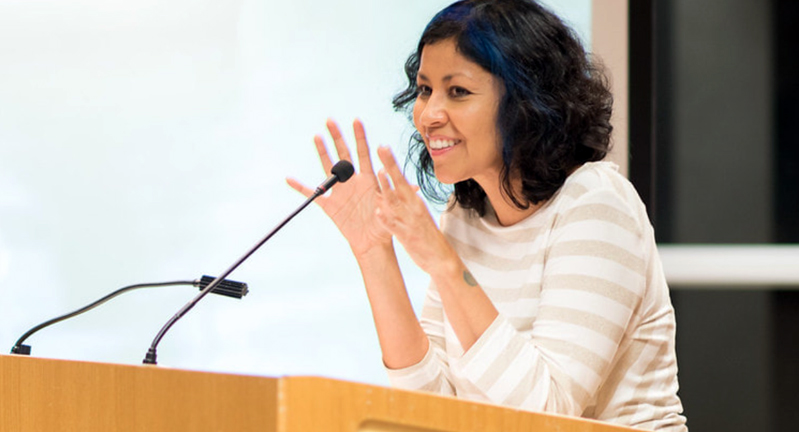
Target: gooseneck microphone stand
{"type": "Point", "coordinates": [341, 172]}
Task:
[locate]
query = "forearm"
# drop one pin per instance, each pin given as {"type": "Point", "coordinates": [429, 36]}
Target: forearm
{"type": "Point", "coordinates": [401, 337]}
{"type": "Point", "coordinates": [468, 308]}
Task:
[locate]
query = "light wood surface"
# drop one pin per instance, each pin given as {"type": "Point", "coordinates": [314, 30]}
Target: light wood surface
{"type": "Point", "coordinates": [59, 395]}
{"type": "Point", "coordinates": [344, 406]}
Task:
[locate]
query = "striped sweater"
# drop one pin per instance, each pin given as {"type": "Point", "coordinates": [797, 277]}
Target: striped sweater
{"type": "Point", "coordinates": [585, 325]}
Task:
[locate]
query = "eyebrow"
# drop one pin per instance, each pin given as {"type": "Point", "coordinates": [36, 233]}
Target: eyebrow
{"type": "Point", "coordinates": [446, 77]}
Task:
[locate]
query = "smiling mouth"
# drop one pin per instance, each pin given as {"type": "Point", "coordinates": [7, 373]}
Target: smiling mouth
{"type": "Point", "coordinates": [442, 144]}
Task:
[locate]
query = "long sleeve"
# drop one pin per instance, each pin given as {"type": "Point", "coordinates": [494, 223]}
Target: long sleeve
{"type": "Point", "coordinates": [592, 281]}
{"type": "Point", "coordinates": [432, 372]}
{"type": "Point", "coordinates": [585, 326]}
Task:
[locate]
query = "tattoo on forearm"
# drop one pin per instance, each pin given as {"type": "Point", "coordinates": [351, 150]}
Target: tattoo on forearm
{"type": "Point", "coordinates": [468, 278]}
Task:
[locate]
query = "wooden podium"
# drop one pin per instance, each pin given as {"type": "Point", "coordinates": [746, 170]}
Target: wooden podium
{"type": "Point", "coordinates": [59, 395]}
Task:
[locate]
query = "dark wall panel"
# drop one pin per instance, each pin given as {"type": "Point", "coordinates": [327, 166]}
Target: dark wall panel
{"type": "Point", "coordinates": [722, 166]}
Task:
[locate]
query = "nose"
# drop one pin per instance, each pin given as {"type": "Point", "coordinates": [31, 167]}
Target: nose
{"type": "Point", "coordinates": [434, 112]}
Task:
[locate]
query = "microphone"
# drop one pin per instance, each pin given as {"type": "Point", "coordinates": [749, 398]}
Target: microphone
{"type": "Point", "coordinates": [227, 288]}
{"type": "Point", "coordinates": [341, 172]}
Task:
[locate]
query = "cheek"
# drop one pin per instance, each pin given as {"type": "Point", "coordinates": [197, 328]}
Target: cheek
{"type": "Point", "coordinates": [482, 124]}
{"type": "Point", "coordinates": [417, 113]}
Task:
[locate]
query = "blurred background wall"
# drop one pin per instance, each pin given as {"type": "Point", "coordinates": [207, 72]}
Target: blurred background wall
{"type": "Point", "coordinates": [149, 141]}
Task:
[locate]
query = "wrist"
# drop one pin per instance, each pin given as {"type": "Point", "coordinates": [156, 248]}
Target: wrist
{"type": "Point", "coordinates": [446, 268]}
{"type": "Point", "coordinates": [375, 256]}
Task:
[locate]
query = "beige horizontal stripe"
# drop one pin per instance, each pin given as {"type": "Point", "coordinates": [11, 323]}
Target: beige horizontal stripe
{"type": "Point", "coordinates": [526, 384]}
{"type": "Point", "coordinates": [594, 285]}
{"type": "Point", "coordinates": [566, 385]}
{"type": "Point", "coordinates": [500, 363]}
{"type": "Point", "coordinates": [587, 320]}
{"type": "Point", "coordinates": [437, 386]}
{"type": "Point", "coordinates": [432, 313]}
{"type": "Point", "coordinates": [646, 391]}
{"type": "Point", "coordinates": [507, 295]}
{"type": "Point", "coordinates": [623, 187]}
{"type": "Point", "coordinates": [514, 234]}
{"type": "Point", "coordinates": [522, 324]}
{"type": "Point", "coordinates": [590, 359]}
{"type": "Point", "coordinates": [630, 356]}
{"type": "Point", "coordinates": [600, 212]}
{"type": "Point", "coordinates": [599, 249]}
{"type": "Point", "coordinates": [575, 352]}
{"type": "Point", "coordinates": [573, 190]}
{"type": "Point", "coordinates": [494, 262]}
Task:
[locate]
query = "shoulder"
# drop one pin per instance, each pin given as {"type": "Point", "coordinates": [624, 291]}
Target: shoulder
{"type": "Point", "coordinates": [599, 182]}
{"type": "Point", "coordinates": [597, 176]}
{"type": "Point", "coordinates": [600, 219]}
{"type": "Point", "coordinates": [598, 192]}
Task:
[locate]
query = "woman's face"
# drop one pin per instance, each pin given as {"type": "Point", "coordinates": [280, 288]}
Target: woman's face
{"type": "Point", "coordinates": [456, 114]}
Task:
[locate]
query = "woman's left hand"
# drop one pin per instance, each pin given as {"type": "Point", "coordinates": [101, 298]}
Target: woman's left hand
{"type": "Point", "coordinates": [402, 212]}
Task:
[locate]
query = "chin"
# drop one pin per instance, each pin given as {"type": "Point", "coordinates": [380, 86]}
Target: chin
{"type": "Point", "coordinates": [447, 178]}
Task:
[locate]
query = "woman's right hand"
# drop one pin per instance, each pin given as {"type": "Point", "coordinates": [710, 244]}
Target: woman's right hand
{"type": "Point", "coordinates": [351, 205]}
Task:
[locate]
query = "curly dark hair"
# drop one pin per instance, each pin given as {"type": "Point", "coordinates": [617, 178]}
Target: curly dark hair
{"type": "Point", "coordinates": [555, 112]}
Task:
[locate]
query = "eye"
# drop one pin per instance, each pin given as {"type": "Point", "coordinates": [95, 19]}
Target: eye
{"type": "Point", "coordinates": [458, 92]}
{"type": "Point", "coordinates": [423, 90]}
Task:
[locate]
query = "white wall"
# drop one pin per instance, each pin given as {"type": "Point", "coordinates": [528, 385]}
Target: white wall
{"type": "Point", "coordinates": [149, 141]}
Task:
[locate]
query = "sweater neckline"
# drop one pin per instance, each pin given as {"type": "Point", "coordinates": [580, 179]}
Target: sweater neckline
{"type": "Point", "coordinates": [490, 221]}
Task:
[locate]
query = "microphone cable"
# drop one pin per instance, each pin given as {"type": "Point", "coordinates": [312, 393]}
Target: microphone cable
{"type": "Point", "coordinates": [227, 288]}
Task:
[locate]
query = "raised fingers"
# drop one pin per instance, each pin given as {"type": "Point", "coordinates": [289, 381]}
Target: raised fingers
{"type": "Point", "coordinates": [392, 168]}
{"type": "Point", "coordinates": [362, 148]}
{"type": "Point", "coordinates": [387, 203]}
{"type": "Point", "coordinates": [338, 140]}
{"type": "Point", "coordinates": [324, 157]}
{"type": "Point", "coordinates": [387, 193]}
{"type": "Point", "coordinates": [301, 188]}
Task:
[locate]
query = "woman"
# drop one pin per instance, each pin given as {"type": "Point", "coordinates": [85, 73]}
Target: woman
{"type": "Point", "coordinates": [546, 289]}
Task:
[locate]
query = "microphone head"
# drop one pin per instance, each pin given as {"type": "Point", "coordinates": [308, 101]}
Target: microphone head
{"type": "Point", "coordinates": [343, 170]}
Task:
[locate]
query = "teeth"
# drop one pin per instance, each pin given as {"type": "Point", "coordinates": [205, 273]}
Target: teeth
{"type": "Point", "coordinates": [441, 144]}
